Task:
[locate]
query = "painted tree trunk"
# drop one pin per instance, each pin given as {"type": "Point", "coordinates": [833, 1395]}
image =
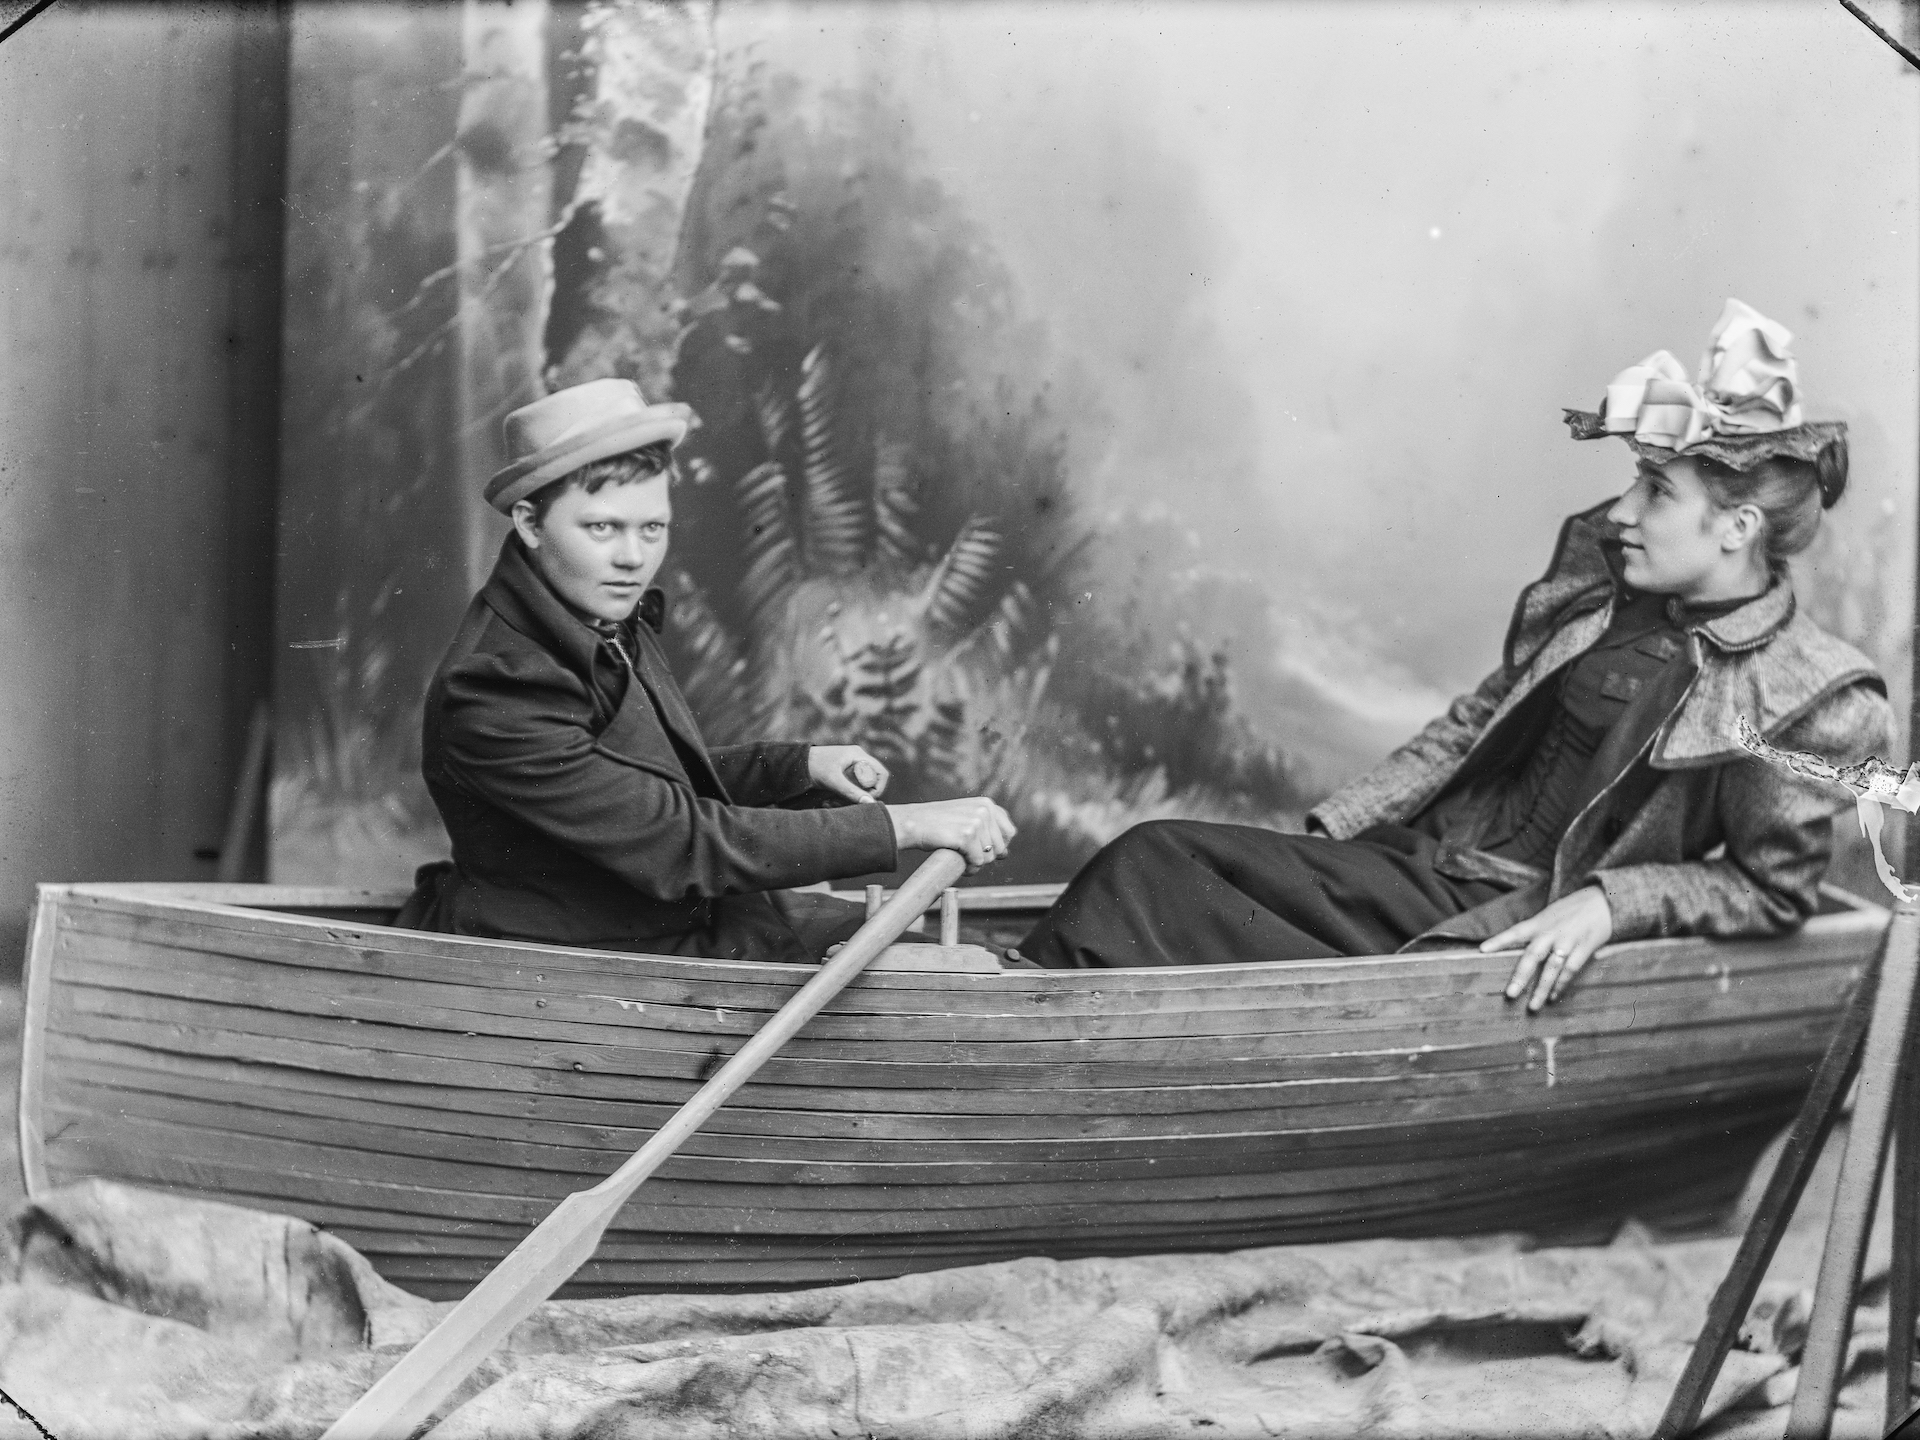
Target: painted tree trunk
{"type": "Point", "coordinates": [424, 247]}
{"type": "Point", "coordinates": [642, 126]}
{"type": "Point", "coordinates": [503, 211]}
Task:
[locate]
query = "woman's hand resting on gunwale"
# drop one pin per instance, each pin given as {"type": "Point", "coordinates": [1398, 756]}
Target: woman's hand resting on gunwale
{"type": "Point", "coordinates": [1559, 941]}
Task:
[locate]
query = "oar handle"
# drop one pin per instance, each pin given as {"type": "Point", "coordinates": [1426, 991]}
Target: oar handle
{"type": "Point", "coordinates": [406, 1395]}
{"type": "Point", "coordinates": [908, 903]}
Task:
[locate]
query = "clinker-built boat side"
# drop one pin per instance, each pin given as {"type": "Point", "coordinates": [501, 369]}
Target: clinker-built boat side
{"type": "Point", "coordinates": [429, 1098]}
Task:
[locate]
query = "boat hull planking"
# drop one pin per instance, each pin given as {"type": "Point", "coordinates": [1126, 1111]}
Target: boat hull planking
{"type": "Point", "coordinates": [429, 1098]}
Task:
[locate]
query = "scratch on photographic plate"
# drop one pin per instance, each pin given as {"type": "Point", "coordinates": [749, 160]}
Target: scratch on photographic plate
{"type": "Point", "coordinates": [27, 1415]}
{"type": "Point", "coordinates": [1873, 784]}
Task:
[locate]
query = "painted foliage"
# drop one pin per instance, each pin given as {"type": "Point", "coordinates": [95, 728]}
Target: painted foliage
{"type": "Point", "coordinates": [1123, 410]}
{"type": "Point", "coordinates": [878, 540]}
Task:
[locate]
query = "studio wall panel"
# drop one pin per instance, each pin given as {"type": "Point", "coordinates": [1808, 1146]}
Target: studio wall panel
{"type": "Point", "coordinates": [141, 156]}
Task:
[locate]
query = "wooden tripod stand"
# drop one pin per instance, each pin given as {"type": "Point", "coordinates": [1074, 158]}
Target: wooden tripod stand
{"type": "Point", "coordinates": [1875, 1040]}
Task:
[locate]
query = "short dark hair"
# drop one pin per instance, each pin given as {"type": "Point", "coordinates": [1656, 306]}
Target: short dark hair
{"type": "Point", "coordinates": [593, 477]}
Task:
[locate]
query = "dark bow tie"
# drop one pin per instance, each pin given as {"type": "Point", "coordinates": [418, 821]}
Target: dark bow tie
{"type": "Point", "coordinates": [652, 609]}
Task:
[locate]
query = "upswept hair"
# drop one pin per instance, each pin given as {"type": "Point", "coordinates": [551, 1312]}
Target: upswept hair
{"type": "Point", "coordinates": [1789, 493]}
{"type": "Point", "coordinates": [596, 475]}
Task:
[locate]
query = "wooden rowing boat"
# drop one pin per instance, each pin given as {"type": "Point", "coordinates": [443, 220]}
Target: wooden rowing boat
{"type": "Point", "coordinates": [429, 1098]}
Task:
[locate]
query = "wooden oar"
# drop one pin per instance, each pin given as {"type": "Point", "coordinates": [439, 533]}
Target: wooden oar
{"type": "Point", "coordinates": [407, 1394]}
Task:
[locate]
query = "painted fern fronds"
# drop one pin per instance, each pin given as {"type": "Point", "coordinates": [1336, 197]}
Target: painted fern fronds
{"type": "Point", "coordinates": [894, 507]}
{"type": "Point", "coordinates": [961, 583]}
{"type": "Point", "coordinates": [835, 520]}
{"type": "Point", "coordinates": [773, 559]}
{"type": "Point", "coordinates": [775, 416]}
{"type": "Point", "coordinates": [1014, 628]}
{"type": "Point", "coordinates": [712, 667]}
{"type": "Point", "coordinates": [885, 694]}
{"type": "Point", "coordinates": [942, 748]}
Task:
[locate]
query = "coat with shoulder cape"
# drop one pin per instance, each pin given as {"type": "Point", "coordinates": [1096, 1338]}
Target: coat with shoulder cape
{"type": "Point", "coordinates": [1689, 834]}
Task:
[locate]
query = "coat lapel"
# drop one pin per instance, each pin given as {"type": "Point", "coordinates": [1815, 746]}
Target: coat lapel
{"type": "Point", "coordinates": [1565, 645]}
{"type": "Point", "coordinates": [652, 672]}
{"type": "Point", "coordinates": [1619, 778]}
{"type": "Point", "coordinates": [652, 705]}
{"type": "Point", "coordinates": [516, 593]}
{"type": "Point", "coordinates": [1637, 726]}
{"type": "Point", "coordinates": [636, 736]}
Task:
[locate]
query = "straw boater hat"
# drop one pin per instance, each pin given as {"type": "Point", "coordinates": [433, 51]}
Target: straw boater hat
{"type": "Point", "coordinates": [1742, 407]}
{"type": "Point", "coordinates": [556, 435]}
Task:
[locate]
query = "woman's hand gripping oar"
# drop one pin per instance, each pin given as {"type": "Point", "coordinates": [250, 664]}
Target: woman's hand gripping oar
{"type": "Point", "coordinates": [407, 1394]}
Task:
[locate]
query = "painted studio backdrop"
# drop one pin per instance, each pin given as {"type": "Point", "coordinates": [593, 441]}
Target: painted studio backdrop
{"type": "Point", "coordinates": [1127, 411]}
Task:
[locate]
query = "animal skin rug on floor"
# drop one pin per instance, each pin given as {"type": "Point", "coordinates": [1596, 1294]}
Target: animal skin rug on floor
{"type": "Point", "coordinates": [128, 1313]}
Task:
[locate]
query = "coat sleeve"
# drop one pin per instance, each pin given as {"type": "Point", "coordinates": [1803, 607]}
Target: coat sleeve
{"type": "Point", "coordinates": [1778, 833]}
{"type": "Point", "coordinates": [762, 772]}
{"type": "Point", "coordinates": [516, 731]}
{"type": "Point", "coordinates": [1407, 778]}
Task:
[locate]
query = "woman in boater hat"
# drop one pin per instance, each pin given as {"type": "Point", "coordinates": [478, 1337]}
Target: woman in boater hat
{"type": "Point", "coordinates": [583, 803]}
{"type": "Point", "coordinates": [1593, 787]}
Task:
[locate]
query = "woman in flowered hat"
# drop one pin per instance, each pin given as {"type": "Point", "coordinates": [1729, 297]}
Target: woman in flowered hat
{"type": "Point", "coordinates": [1593, 788]}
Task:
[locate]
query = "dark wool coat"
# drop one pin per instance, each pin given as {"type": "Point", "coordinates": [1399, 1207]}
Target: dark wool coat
{"type": "Point", "coordinates": [577, 820]}
{"type": "Point", "coordinates": [1689, 834]}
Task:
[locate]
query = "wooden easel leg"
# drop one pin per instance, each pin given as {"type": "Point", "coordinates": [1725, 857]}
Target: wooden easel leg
{"type": "Point", "coordinates": [1846, 1249]}
{"type": "Point", "coordinates": [1904, 1290]}
{"type": "Point", "coordinates": [1810, 1130]}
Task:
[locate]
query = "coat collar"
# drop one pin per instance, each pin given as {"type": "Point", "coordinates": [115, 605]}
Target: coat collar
{"type": "Point", "coordinates": [1580, 578]}
{"type": "Point", "coordinates": [518, 595]}
{"type": "Point", "coordinates": [1754, 623]}
{"type": "Point", "coordinates": [1771, 666]}
{"type": "Point", "coordinates": [652, 705]}
{"type": "Point", "coordinates": [1763, 660]}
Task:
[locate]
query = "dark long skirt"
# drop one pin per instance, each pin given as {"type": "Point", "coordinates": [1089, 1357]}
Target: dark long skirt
{"type": "Point", "coordinates": [1187, 892]}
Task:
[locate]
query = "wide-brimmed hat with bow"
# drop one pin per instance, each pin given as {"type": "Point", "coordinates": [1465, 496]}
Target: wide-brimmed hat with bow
{"type": "Point", "coordinates": [1741, 408]}
{"type": "Point", "coordinates": [556, 435]}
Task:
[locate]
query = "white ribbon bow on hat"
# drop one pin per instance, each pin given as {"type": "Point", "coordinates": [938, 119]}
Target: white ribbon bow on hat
{"type": "Point", "coordinates": [1748, 385]}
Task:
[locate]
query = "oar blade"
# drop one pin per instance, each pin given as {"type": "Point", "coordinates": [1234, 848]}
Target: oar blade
{"type": "Point", "coordinates": [406, 1395]}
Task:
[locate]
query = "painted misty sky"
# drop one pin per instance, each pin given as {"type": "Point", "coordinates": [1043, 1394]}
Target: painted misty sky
{"type": "Point", "coordinates": [1318, 278]}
